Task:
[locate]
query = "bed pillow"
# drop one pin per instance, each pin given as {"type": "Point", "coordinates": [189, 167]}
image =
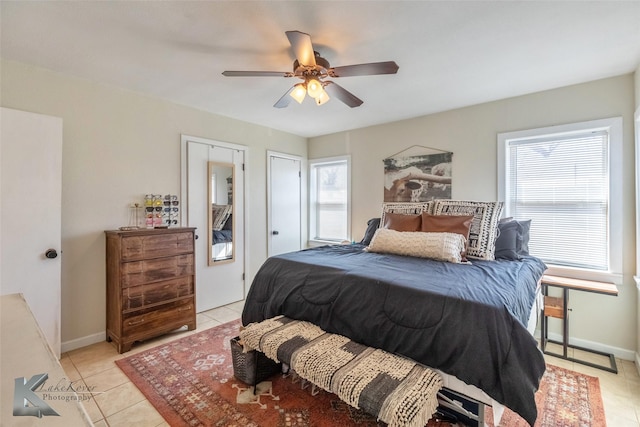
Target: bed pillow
{"type": "Point", "coordinates": [513, 239]}
{"type": "Point", "coordinates": [228, 225]}
{"type": "Point", "coordinates": [484, 228]}
{"type": "Point", "coordinates": [522, 242]}
{"type": "Point", "coordinates": [372, 225]}
{"type": "Point", "coordinates": [401, 222]}
{"type": "Point", "coordinates": [220, 214]}
{"type": "Point", "coordinates": [439, 246]}
{"type": "Point", "coordinates": [405, 208]}
{"type": "Point", "coordinates": [460, 224]}
{"type": "Point", "coordinates": [525, 227]}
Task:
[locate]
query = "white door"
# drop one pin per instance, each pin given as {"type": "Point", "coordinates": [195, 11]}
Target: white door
{"type": "Point", "coordinates": [284, 203]}
{"type": "Point", "coordinates": [223, 282]}
{"type": "Point", "coordinates": [30, 215]}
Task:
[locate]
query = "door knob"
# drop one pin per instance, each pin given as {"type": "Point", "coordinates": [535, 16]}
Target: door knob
{"type": "Point", "coordinates": [275, 232]}
{"type": "Point", "coordinates": [51, 253]}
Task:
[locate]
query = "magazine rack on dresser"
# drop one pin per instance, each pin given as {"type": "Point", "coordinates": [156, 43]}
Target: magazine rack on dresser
{"type": "Point", "coordinates": [150, 283]}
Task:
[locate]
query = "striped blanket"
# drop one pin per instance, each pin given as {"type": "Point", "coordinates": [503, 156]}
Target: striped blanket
{"type": "Point", "coordinates": [397, 390]}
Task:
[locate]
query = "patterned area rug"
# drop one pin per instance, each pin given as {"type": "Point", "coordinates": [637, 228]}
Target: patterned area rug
{"type": "Point", "coordinates": [190, 382]}
{"type": "Point", "coordinates": [565, 399]}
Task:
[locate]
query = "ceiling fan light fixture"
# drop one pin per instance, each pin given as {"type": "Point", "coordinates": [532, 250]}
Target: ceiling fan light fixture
{"type": "Point", "coordinates": [314, 88]}
{"type": "Point", "coordinates": [323, 98]}
{"type": "Point", "coordinates": [298, 93]}
{"type": "Point", "coordinates": [316, 73]}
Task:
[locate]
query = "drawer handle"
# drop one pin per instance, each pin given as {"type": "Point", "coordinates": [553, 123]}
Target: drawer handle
{"type": "Point", "coordinates": [137, 322]}
{"type": "Point", "coordinates": [184, 308]}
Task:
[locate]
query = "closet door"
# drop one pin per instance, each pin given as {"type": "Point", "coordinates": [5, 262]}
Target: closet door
{"type": "Point", "coordinates": [285, 203]}
{"type": "Point", "coordinates": [31, 153]}
{"type": "Point", "coordinates": [217, 283]}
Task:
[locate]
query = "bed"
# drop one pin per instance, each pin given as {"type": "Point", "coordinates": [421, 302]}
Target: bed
{"type": "Point", "coordinates": [467, 320]}
{"type": "Point", "coordinates": [222, 236]}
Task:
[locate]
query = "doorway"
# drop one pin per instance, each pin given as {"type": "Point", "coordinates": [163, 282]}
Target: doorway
{"type": "Point", "coordinates": [217, 283]}
{"type": "Point", "coordinates": [32, 215]}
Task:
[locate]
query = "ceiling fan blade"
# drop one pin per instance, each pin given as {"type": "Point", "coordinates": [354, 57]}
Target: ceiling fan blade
{"type": "Point", "coordinates": [372, 68]}
{"type": "Point", "coordinates": [342, 94]}
{"type": "Point", "coordinates": [302, 47]}
{"type": "Point", "coordinates": [285, 100]}
{"type": "Point", "coordinates": [256, 74]}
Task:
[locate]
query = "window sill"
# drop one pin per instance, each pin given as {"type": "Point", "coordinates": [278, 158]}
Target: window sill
{"type": "Point", "coordinates": [580, 273]}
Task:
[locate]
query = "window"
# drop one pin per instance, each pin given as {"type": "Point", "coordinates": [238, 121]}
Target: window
{"type": "Point", "coordinates": [330, 199]}
{"type": "Point", "coordinates": [567, 180]}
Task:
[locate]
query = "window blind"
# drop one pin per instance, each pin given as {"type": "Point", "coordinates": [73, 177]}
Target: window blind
{"type": "Point", "coordinates": [330, 193]}
{"type": "Point", "coordinates": [561, 183]}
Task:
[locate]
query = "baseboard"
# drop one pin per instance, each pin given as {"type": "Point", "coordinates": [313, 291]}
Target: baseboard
{"type": "Point", "coordinates": [620, 353]}
{"type": "Point", "coordinates": [82, 342]}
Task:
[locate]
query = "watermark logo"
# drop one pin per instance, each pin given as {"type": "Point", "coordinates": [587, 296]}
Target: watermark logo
{"type": "Point", "coordinates": [23, 394]}
{"type": "Point", "coordinates": [30, 397]}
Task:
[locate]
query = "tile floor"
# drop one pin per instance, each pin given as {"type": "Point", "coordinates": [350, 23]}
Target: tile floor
{"type": "Point", "coordinates": [119, 403]}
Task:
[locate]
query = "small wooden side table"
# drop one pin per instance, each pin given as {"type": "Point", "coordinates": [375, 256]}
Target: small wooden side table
{"type": "Point", "coordinates": [558, 307]}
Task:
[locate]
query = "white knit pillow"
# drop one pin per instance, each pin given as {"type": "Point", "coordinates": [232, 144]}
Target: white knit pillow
{"type": "Point", "coordinates": [438, 246]}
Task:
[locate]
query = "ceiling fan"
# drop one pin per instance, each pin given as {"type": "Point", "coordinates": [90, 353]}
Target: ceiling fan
{"type": "Point", "coordinates": [313, 69]}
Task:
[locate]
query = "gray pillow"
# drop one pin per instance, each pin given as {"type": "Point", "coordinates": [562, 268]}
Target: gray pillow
{"type": "Point", "coordinates": [372, 225]}
{"type": "Point", "coordinates": [513, 239]}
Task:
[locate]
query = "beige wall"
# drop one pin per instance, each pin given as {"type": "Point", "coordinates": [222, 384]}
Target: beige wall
{"type": "Point", "coordinates": [637, 86]}
{"type": "Point", "coordinates": [118, 146]}
{"type": "Point", "coordinates": [470, 133]}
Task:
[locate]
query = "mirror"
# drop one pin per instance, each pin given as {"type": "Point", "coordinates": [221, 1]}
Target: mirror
{"type": "Point", "coordinates": [221, 218]}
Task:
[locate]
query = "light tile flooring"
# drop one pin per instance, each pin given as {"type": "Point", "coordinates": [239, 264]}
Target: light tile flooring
{"type": "Point", "coordinates": [117, 402]}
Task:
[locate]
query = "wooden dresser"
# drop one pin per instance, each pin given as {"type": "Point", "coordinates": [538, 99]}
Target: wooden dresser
{"type": "Point", "coordinates": [150, 283]}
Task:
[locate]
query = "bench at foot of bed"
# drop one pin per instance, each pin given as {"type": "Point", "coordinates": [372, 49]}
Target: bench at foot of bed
{"type": "Point", "coordinates": [397, 390]}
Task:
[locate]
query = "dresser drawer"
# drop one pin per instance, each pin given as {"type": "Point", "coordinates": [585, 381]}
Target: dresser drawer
{"type": "Point", "coordinates": [136, 297]}
{"type": "Point", "coordinates": [143, 247]}
{"type": "Point", "coordinates": [154, 270]}
{"type": "Point", "coordinates": [136, 327]}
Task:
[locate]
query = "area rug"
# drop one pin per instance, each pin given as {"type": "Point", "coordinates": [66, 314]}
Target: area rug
{"type": "Point", "coordinates": [565, 399]}
{"type": "Point", "coordinates": [190, 382]}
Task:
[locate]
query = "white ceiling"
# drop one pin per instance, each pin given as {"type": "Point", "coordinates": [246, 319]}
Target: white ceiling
{"type": "Point", "coordinates": [451, 54]}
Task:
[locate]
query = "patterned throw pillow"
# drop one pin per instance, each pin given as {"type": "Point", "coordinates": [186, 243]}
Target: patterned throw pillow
{"type": "Point", "coordinates": [484, 228]}
{"type": "Point", "coordinates": [220, 214]}
{"type": "Point", "coordinates": [439, 246]}
{"type": "Point", "coordinates": [405, 209]}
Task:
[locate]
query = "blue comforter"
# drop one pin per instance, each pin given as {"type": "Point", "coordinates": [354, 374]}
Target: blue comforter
{"type": "Point", "coordinates": [466, 320]}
